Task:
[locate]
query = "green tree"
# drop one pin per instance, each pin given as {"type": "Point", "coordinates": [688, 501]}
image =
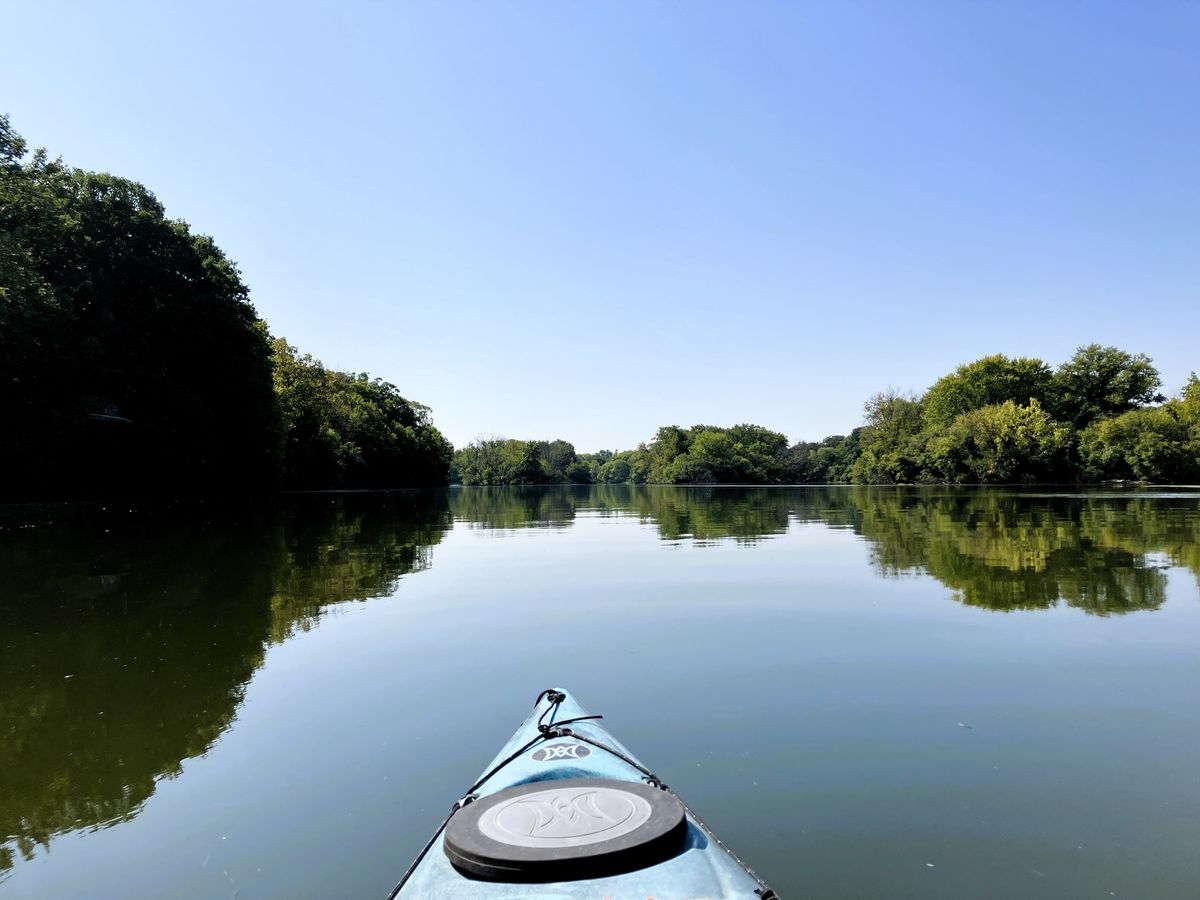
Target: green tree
{"type": "Point", "coordinates": [616, 470]}
{"type": "Point", "coordinates": [593, 462]}
{"type": "Point", "coordinates": [986, 382]}
{"type": "Point", "coordinates": [760, 455]}
{"type": "Point", "coordinates": [1142, 444]}
{"type": "Point", "coordinates": [826, 462]}
{"type": "Point", "coordinates": [578, 471]}
{"type": "Point", "coordinates": [529, 468]}
{"type": "Point", "coordinates": [670, 442]}
{"type": "Point", "coordinates": [1160, 444]}
{"type": "Point", "coordinates": [482, 462]}
{"type": "Point", "coordinates": [349, 430]}
{"type": "Point", "coordinates": [891, 452]}
{"type": "Point", "coordinates": [558, 456]}
{"type": "Point", "coordinates": [640, 465]}
{"type": "Point", "coordinates": [496, 461]}
{"type": "Point", "coordinates": [1103, 381]}
{"type": "Point", "coordinates": [1189, 401]}
{"type": "Point", "coordinates": [1002, 444]}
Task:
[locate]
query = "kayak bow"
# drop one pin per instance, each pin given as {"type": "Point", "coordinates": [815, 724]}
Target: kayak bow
{"type": "Point", "coordinates": [565, 812]}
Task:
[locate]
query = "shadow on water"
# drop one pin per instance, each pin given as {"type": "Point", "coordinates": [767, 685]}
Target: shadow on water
{"type": "Point", "coordinates": [127, 637]}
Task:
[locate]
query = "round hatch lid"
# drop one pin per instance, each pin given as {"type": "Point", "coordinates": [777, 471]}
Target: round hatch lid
{"type": "Point", "coordinates": [565, 829]}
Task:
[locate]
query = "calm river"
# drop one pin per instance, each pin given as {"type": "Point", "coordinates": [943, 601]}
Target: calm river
{"type": "Point", "coordinates": [867, 692]}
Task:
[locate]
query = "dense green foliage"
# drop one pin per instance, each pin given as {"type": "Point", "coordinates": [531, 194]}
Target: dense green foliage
{"type": "Point", "coordinates": [1161, 443]}
{"type": "Point", "coordinates": [347, 430]}
{"type": "Point", "coordinates": [1103, 381]}
{"type": "Point", "coordinates": [999, 420]}
{"type": "Point", "coordinates": [886, 445]}
{"type": "Point", "coordinates": [993, 421]}
{"type": "Point", "coordinates": [987, 382]}
{"type": "Point", "coordinates": [490, 461]}
{"type": "Point", "coordinates": [131, 359]}
{"type": "Point", "coordinates": [703, 454]}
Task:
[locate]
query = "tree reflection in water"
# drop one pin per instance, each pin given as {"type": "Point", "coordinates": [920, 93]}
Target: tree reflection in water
{"type": "Point", "coordinates": [127, 638]}
{"type": "Point", "coordinates": [995, 549]}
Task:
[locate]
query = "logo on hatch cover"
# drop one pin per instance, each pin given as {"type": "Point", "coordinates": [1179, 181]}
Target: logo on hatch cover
{"type": "Point", "coordinates": [560, 751]}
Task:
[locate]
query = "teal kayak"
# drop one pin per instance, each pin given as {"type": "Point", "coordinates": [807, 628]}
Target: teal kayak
{"type": "Point", "coordinates": [566, 812]}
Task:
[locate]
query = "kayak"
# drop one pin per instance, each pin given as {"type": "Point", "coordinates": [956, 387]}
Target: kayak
{"type": "Point", "coordinates": [566, 812]}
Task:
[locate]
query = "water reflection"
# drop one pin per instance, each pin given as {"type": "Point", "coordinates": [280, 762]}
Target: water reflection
{"type": "Point", "coordinates": [1102, 553]}
{"type": "Point", "coordinates": [335, 548]}
{"type": "Point", "coordinates": [704, 513]}
{"type": "Point", "coordinates": [127, 637]}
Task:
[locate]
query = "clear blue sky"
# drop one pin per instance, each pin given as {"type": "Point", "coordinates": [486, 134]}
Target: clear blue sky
{"type": "Point", "coordinates": [586, 220]}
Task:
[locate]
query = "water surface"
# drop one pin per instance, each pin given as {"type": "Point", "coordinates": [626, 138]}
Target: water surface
{"type": "Point", "coordinates": [867, 692]}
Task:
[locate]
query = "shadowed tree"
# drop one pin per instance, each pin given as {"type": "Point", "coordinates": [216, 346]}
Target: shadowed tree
{"type": "Point", "coordinates": [130, 356]}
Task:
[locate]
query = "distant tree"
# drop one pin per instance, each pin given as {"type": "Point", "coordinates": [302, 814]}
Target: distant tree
{"type": "Point", "coordinates": [495, 461]}
{"type": "Point", "coordinates": [705, 454]}
{"type": "Point", "coordinates": [670, 442]}
{"type": "Point", "coordinates": [799, 462]}
{"type": "Point", "coordinates": [710, 458]}
{"type": "Point", "coordinates": [891, 451]}
{"type": "Point", "coordinates": [986, 382]}
{"type": "Point", "coordinates": [835, 459]}
{"type": "Point", "coordinates": [529, 468]}
{"type": "Point", "coordinates": [594, 461]}
{"type": "Point", "coordinates": [825, 462]}
{"type": "Point", "coordinates": [349, 430]}
{"type": "Point", "coordinates": [1189, 401]}
{"type": "Point", "coordinates": [578, 471]}
{"type": "Point", "coordinates": [760, 455]}
{"type": "Point", "coordinates": [485, 461]}
{"type": "Point", "coordinates": [1002, 444]}
{"type": "Point", "coordinates": [990, 421]}
{"type": "Point", "coordinates": [1142, 444]}
{"type": "Point", "coordinates": [557, 456]}
{"type": "Point", "coordinates": [1159, 444]}
{"type": "Point", "coordinates": [1103, 381]}
{"type": "Point", "coordinates": [640, 463]}
{"type": "Point", "coordinates": [616, 470]}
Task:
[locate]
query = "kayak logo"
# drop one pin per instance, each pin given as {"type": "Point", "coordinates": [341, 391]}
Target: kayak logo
{"type": "Point", "coordinates": [565, 817]}
{"type": "Point", "coordinates": [560, 751]}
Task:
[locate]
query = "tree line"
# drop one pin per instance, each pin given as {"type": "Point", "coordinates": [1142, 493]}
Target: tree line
{"type": "Point", "coordinates": [1099, 416]}
{"type": "Point", "coordinates": [132, 361]}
